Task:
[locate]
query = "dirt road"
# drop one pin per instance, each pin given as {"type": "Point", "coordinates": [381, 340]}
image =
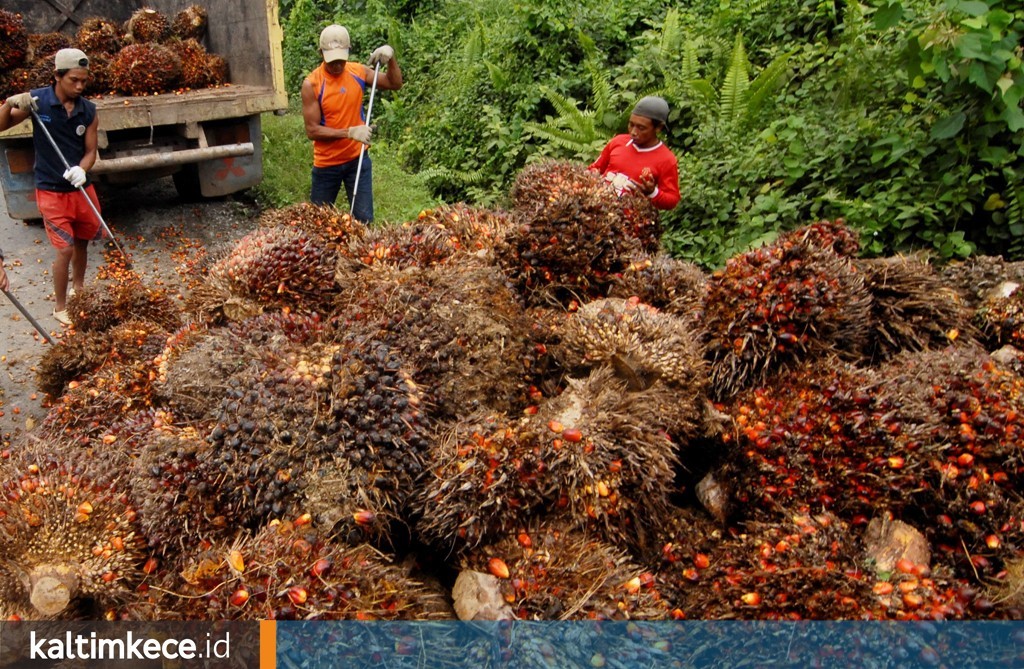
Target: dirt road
{"type": "Point", "coordinates": [162, 234]}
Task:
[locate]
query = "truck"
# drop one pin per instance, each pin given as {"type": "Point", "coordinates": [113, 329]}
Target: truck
{"type": "Point", "coordinates": [208, 140]}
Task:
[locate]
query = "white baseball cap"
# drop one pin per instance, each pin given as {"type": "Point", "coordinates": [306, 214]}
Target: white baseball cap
{"type": "Point", "coordinates": [69, 59]}
{"type": "Point", "coordinates": [334, 43]}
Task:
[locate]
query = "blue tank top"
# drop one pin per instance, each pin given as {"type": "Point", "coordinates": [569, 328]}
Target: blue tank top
{"type": "Point", "coordinates": [68, 131]}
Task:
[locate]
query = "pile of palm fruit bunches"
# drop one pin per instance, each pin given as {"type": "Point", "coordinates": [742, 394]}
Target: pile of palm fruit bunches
{"type": "Point", "coordinates": [345, 422]}
{"type": "Point", "coordinates": [150, 53]}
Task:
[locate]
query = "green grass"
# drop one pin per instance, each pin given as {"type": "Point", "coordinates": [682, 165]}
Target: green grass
{"type": "Point", "coordinates": [288, 158]}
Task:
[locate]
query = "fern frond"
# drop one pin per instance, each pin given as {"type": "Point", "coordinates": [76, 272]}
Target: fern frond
{"type": "Point", "coordinates": [672, 34]}
{"type": "Point", "coordinates": [733, 95]}
{"type": "Point", "coordinates": [765, 83]}
{"type": "Point", "coordinates": [690, 70]}
{"type": "Point", "coordinates": [600, 76]}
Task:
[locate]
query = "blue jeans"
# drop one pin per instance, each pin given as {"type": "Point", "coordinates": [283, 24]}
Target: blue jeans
{"type": "Point", "coordinates": [327, 182]}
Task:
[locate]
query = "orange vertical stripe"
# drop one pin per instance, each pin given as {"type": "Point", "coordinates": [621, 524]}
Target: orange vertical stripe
{"type": "Point", "coordinates": [268, 644]}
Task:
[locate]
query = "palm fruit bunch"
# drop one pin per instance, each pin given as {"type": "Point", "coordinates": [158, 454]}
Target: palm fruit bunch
{"type": "Point", "coordinates": [459, 326]}
{"type": "Point", "coordinates": [912, 308]}
{"type": "Point", "coordinates": [199, 69]}
{"type": "Point", "coordinates": [98, 35]}
{"type": "Point", "coordinates": [68, 529]}
{"type": "Point", "coordinates": [645, 347]}
{"type": "Point", "coordinates": [815, 438]}
{"type": "Point", "coordinates": [1001, 316]}
{"type": "Point", "coordinates": [41, 72]}
{"type": "Point", "coordinates": [571, 234]}
{"type": "Point", "coordinates": [146, 25]}
{"type": "Point", "coordinates": [290, 571]}
{"type": "Point", "coordinates": [41, 45]}
{"type": "Point", "coordinates": [190, 23]}
{"type": "Point", "coordinates": [97, 308]}
{"type": "Point", "coordinates": [334, 228]}
{"type": "Point", "coordinates": [475, 230]}
{"type": "Point", "coordinates": [14, 81]}
{"type": "Point", "coordinates": [375, 440]}
{"type": "Point", "coordinates": [834, 236]}
{"type": "Point", "coordinates": [13, 40]}
{"type": "Point", "coordinates": [279, 266]}
{"type": "Point", "coordinates": [781, 304]}
{"type": "Point", "coordinates": [100, 81]}
{"type": "Point", "coordinates": [481, 482]}
{"type": "Point", "coordinates": [608, 460]}
{"type": "Point", "coordinates": [672, 285]}
{"type": "Point", "coordinates": [547, 571]}
{"type": "Point", "coordinates": [77, 355]}
{"type": "Point", "coordinates": [179, 500]}
{"type": "Point", "coordinates": [962, 420]}
{"type": "Point", "coordinates": [145, 68]}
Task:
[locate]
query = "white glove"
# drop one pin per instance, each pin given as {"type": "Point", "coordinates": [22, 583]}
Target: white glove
{"type": "Point", "coordinates": [23, 101]}
{"type": "Point", "coordinates": [382, 55]}
{"type": "Point", "coordinates": [361, 133]}
{"type": "Point", "coordinates": [76, 175]}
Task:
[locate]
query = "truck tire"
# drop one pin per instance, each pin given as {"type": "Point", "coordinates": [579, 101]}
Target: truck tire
{"type": "Point", "coordinates": [186, 182]}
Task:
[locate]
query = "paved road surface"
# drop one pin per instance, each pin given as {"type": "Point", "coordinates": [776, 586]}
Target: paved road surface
{"type": "Point", "coordinates": [160, 233]}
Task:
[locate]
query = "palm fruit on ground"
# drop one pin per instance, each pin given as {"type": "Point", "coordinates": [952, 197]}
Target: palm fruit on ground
{"type": "Point", "coordinates": [190, 23]}
{"type": "Point", "coordinates": [145, 69]}
{"type": "Point", "coordinates": [147, 25]}
{"type": "Point", "coordinates": [481, 481]}
{"type": "Point", "coordinates": [549, 572]}
{"type": "Point", "coordinates": [459, 326]}
{"type": "Point", "coordinates": [571, 234]}
{"type": "Point", "coordinates": [778, 305]}
{"type": "Point", "coordinates": [912, 308]}
{"type": "Point", "coordinates": [669, 284]}
{"type": "Point", "coordinates": [98, 35]}
{"type": "Point", "coordinates": [13, 41]}
{"type": "Point", "coordinates": [68, 528]}
{"type": "Point", "coordinates": [608, 462]}
{"type": "Point", "coordinates": [644, 346]}
{"type": "Point", "coordinates": [279, 266]}
{"type": "Point", "coordinates": [289, 571]}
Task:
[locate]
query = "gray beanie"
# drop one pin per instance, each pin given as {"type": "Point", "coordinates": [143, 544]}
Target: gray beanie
{"type": "Point", "coordinates": [652, 107]}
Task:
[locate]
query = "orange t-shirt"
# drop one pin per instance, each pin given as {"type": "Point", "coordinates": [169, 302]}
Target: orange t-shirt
{"type": "Point", "coordinates": [341, 106]}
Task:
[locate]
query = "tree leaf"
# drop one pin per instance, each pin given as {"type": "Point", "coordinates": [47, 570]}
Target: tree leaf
{"type": "Point", "coordinates": [888, 16]}
{"type": "Point", "coordinates": [949, 126]}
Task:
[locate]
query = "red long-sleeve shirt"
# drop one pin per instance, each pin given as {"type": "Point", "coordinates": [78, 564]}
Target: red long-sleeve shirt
{"type": "Point", "coordinates": [621, 162]}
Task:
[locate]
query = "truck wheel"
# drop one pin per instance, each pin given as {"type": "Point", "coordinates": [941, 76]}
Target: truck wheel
{"type": "Point", "coordinates": [186, 182]}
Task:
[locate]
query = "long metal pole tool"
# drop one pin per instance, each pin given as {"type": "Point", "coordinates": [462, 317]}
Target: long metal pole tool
{"type": "Point", "coordinates": [362, 147]}
{"type": "Point", "coordinates": [26, 314]}
{"type": "Point", "coordinates": [46, 131]}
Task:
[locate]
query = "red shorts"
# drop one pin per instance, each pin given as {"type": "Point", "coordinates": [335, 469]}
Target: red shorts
{"type": "Point", "coordinates": [67, 216]}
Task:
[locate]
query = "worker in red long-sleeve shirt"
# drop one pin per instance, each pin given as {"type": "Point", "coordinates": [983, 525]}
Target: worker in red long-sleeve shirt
{"type": "Point", "coordinates": [639, 160]}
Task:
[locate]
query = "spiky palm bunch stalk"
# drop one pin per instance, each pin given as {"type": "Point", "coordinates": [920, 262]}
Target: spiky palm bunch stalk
{"type": "Point", "coordinates": [550, 571]}
{"type": "Point", "coordinates": [912, 308]}
{"type": "Point", "coordinates": [69, 530]}
{"type": "Point", "coordinates": [778, 305]}
{"type": "Point", "coordinates": [100, 307]}
{"type": "Point", "coordinates": [289, 571]}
